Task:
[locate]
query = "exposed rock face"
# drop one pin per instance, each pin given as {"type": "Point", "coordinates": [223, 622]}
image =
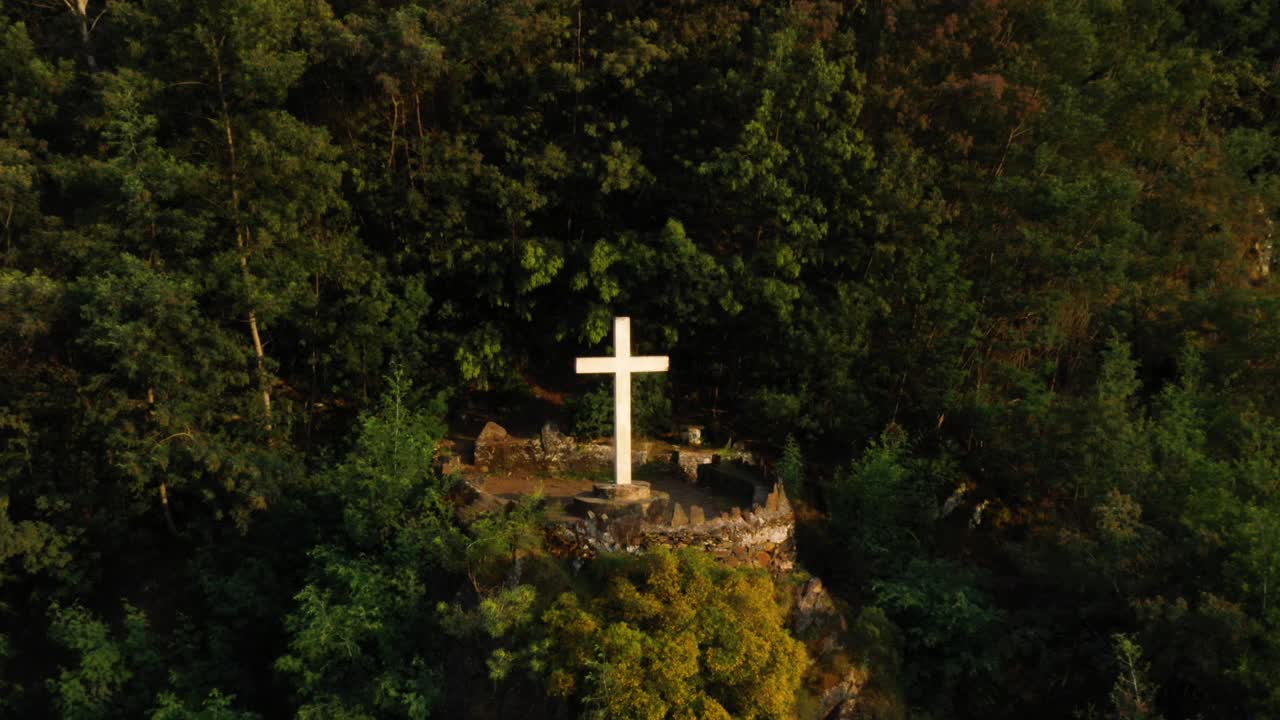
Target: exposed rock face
{"type": "Point", "coordinates": [840, 702]}
{"type": "Point", "coordinates": [815, 614]}
{"type": "Point", "coordinates": [816, 620]}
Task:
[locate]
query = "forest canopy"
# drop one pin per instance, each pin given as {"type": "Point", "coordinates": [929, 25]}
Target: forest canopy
{"type": "Point", "coordinates": [993, 280]}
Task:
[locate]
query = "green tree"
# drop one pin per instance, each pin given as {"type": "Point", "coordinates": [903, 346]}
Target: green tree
{"type": "Point", "coordinates": [362, 639]}
{"type": "Point", "coordinates": [116, 675]}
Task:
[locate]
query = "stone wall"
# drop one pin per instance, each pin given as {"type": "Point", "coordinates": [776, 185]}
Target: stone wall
{"type": "Point", "coordinates": [495, 449]}
{"type": "Point", "coordinates": [693, 462]}
{"type": "Point", "coordinates": [763, 536]}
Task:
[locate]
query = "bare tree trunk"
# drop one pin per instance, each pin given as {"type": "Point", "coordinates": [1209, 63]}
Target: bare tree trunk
{"type": "Point", "coordinates": [242, 245]}
{"type": "Point", "coordinates": [80, 8]}
{"type": "Point", "coordinates": [164, 487]}
{"type": "Point", "coordinates": [168, 514]}
{"type": "Point", "coordinates": [8, 232]}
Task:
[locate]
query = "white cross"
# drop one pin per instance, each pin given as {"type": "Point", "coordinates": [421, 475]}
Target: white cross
{"type": "Point", "coordinates": [622, 364]}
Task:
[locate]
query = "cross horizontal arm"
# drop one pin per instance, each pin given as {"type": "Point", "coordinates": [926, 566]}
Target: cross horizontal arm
{"type": "Point", "coordinates": [648, 363]}
{"type": "Point", "coordinates": [642, 363]}
{"type": "Point", "coordinates": [597, 365]}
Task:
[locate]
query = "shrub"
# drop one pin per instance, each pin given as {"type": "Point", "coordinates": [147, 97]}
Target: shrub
{"type": "Point", "coordinates": [791, 467]}
{"type": "Point", "coordinates": [674, 635]}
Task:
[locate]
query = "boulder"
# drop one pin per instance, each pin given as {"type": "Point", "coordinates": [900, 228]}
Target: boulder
{"type": "Point", "coordinates": [554, 446]}
{"type": "Point", "coordinates": [692, 436]}
{"type": "Point", "coordinates": [489, 443]}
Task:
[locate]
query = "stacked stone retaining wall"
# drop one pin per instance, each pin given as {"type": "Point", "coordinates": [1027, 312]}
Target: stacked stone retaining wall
{"type": "Point", "coordinates": [763, 535]}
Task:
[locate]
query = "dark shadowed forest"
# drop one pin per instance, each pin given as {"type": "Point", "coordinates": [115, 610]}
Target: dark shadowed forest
{"type": "Point", "coordinates": [992, 281]}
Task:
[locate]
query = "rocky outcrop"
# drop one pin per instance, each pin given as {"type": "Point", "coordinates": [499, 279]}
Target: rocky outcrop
{"type": "Point", "coordinates": [816, 620]}
{"type": "Point", "coordinates": [840, 701]}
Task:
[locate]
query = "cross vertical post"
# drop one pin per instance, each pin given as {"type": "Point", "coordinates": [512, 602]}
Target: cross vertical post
{"type": "Point", "coordinates": [622, 402]}
{"type": "Point", "coordinates": [621, 365]}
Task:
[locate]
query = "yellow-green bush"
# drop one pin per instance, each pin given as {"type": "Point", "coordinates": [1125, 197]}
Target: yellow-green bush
{"type": "Point", "coordinates": [674, 635]}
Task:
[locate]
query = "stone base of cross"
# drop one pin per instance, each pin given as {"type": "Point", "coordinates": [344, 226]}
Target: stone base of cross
{"type": "Point", "coordinates": [621, 365]}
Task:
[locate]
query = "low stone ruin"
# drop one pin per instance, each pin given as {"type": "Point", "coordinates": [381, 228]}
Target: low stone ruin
{"type": "Point", "coordinates": [691, 460]}
{"type": "Point", "coordinates": [763, 535]}
{"type": "Point", "coordinates": [495, 449]}
{"type": "Point", "coordinates": [759, 531]}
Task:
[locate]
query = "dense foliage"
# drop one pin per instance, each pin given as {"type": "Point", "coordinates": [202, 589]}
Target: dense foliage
{"type": "Point", "coordinates": [1001, 271]}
